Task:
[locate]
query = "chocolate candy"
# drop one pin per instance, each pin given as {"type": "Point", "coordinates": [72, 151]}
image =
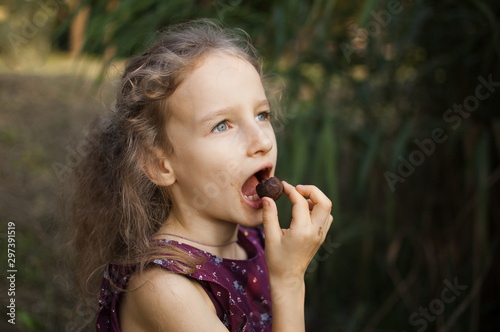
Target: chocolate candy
{"type": "Point", "coordinates": [271, 187]}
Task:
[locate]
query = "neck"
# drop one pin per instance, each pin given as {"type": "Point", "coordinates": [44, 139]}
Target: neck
{"type": "Point", "coordinates": [216, 237]}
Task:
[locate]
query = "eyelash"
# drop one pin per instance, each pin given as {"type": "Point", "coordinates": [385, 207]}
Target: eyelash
{"type": "Point", "coordinates": [225, 122]}
{"type": "Point", "coordinates": [267, 116]}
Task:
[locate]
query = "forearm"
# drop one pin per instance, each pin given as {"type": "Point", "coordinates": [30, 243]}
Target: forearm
{"type": "Point", "coordinates": [289, 251]}
{"type": "Point", "coordinates": [288, 304]}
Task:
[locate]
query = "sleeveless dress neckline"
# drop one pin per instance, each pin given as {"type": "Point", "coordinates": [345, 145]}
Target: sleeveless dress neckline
{"type": "Point", "coordinates": [239, 289]}
{"type": "Point", "coordinates": [242, 240]}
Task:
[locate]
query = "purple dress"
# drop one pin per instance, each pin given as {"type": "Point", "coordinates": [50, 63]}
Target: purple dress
{"type": "Point", "coordinates": [239, 289]}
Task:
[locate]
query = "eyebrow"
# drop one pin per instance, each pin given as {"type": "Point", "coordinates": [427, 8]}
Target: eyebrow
{"type": "Point", "coordinates": [228, 109]}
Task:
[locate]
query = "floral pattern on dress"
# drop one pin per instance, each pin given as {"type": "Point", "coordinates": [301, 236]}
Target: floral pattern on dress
{"type": "Point", "coordinates": [239, 289]}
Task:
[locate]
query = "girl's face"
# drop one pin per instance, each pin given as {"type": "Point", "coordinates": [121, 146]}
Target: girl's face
{"type": "Point", "coordinates": [223, 141]}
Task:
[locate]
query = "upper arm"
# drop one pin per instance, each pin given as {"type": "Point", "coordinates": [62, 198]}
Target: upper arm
{"type": "Point", "coordinates": [160, 300]}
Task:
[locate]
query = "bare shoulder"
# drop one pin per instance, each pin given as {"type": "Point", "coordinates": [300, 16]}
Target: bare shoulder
{"type": "Point", "coordinates": [160, 300]}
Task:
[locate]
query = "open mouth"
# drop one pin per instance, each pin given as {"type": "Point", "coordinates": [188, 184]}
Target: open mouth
{"type": "Point", "coordinates": [248, 188]}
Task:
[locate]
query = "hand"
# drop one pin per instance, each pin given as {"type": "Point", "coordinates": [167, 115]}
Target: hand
{"type": "Point", "coordinates": [289, 251]}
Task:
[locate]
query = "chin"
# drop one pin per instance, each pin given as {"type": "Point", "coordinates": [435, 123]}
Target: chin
{"type": "Point", "coordinates": [251, 221]}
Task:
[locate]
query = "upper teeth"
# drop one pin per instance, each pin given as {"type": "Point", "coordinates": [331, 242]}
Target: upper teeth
{"type": "Point", "coordinates": [252, 197]}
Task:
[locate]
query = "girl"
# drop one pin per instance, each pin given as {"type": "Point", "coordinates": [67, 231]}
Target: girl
{"type": "Point", "coordinates": [165, 210]}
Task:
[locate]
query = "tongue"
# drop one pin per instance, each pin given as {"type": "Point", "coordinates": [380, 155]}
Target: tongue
{"type": "Point", "coordinates": [248, 188]}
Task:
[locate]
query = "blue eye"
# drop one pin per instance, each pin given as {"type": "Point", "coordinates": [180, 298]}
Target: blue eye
{"type": "Point", "coordinates": [221, 126]}
{"type": "Point", "coordinates": [263, 116]}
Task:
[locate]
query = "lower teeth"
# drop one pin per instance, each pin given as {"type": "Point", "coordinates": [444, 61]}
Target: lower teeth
{"type": "Point", "coordinates": [253, 197]}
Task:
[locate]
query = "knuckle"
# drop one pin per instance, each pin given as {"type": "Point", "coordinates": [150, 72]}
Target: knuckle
{"type": "Point", "coordinates": [328, 204]}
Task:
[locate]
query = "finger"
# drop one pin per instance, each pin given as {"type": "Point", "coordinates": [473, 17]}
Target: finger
{"type": "Point", "coordinates": [311, 204]}
{"type": "Point", "coordinates": [272, 228]}
{"type": "Point", "coordinates": [316, 195]}
{"type": "Point", "coordinates": [300, 209]}
{"type": "Point", "coordinates": [322, 206]}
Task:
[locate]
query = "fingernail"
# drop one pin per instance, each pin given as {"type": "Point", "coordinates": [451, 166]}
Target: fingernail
{"type": "Point", "coordinates": [299, 186]}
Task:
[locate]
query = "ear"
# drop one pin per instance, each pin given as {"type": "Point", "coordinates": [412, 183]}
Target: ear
{"type": "Point", "coordinates": [157, 167]}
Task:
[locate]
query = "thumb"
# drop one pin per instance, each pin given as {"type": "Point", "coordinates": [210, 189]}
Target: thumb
{"type": "Point", "coordinates": [272, 228]}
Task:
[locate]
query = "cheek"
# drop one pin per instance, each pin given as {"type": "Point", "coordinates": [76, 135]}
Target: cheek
{"type": "Point", "coordinates": [272, 137]}
{"type": "Point", "coordinates": [203, 164]}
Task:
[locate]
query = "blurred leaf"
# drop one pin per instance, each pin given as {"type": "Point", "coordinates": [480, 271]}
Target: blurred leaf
{"type": "Point", "coordinates": [400, 143]}
{"type": "Point", "coordinates": [30, 322]}
{"type": "Point", "coordinates": [368, 159]}
{"type": "Point", "coordinates": [364, 15]}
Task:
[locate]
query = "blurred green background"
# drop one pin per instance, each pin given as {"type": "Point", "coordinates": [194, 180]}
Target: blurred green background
{"type": "Point", "coordinates": [391, 107]}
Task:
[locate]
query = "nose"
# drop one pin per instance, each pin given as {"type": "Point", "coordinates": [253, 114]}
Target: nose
{"type": "Point", "coordinates": [260, 140]}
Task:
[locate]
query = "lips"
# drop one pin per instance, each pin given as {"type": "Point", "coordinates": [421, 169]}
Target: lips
{"type": "Point", "coordinates": [248, 188]}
